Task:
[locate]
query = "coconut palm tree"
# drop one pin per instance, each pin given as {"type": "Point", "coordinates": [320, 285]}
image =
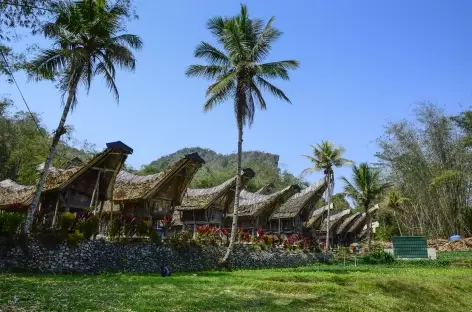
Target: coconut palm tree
{"type": "Point", "coordinates": [326, 156]}
{"type": "Point", "coordinates": [238, 73]}
{"type": "Point", "coordinates": [395, 203]}
{"type": "Point", "coordinates": [365, 189]}
{"type": "Point", "coordinates": [89, 40]}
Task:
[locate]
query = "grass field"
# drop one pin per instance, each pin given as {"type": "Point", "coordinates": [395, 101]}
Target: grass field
{"type": "Point", "coordinates": [315, 288]}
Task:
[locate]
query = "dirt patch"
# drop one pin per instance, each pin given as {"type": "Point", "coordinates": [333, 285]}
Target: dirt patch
{"type": "Point", "coordinates": [464, 244]}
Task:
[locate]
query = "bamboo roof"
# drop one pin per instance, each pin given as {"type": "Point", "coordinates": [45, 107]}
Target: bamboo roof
{"type": "Point", "coordinates": [359, 224]}
{"type": "Point", "coordinates": [131, 187]}
{"type": "Point", "coordinates": [292, 207]}
{"type": "Point", "coordinates": [203, 198]}
{"type": "Point", "coordinates": [252, 204]}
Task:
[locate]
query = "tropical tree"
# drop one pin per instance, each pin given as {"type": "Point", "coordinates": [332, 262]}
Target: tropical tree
{"type": "Point", "coordinates": [395, 203]}
{"type": "Point", "coordinates": [365, 189]}
{"type": "Point", "coordinates": [89, 40]}
{"type": "Point", "coordinates": [326, 156]}
{"type": "Point", "coordinates": [239, 74]}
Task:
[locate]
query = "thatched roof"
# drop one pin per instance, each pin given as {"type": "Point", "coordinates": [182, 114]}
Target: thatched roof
{"type": "Point", "coordinates": [14, 196]}
{"type": "Point", "coordinates": [195, 199]}
{"type": "Point", "coordinates": [317, 216]}
{"type": "Point", "coordinates": [335, 220]}
{"type": "Point", "coordinates": [130, 187]}
{"type": "Point", "coordinates": [109, 162]}
{"type": "Point", "coordinates": [252, 204]}
{"type": "Point", "coordinates": [266, 189]}
{"type": "Point", "coordinates": [297, 202]}
{"type": "Point", "coordinates": [359, 224]}
{"type": "Point", "coordinates": [348, 223]}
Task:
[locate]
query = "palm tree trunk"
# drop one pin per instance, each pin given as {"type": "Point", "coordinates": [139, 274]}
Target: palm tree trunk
{"type": "Point", "coordinates": [328, 201]}
{"type": "Point", "coordinates": [234, 226]}
{"type": "Point", "coordinates": [369, 230]}
{"type": "Point", "coordinates": [42, 178]}
{"type": "Point", "coordinates": [398, 223]}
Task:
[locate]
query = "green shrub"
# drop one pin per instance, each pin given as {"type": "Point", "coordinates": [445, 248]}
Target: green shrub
{"type": "Point", "coordinates": [385, 233]}
{"type": "Point", "coordinates": [67, 220]}
{"type": "Point", "coordinates": [378, 257]}
{"type": "Point", "coordinates": [74, 239]}
{"type": "Point", "coordinates": [10, 223]}
{"type": "Point", "coordinates": [115, 228]}
{"type": "Point", "coordinates": [181, 240]}
{"type": "Point", "coordinates": [143, 228]}
{"type": "Point", "coordinates": [89, 226]}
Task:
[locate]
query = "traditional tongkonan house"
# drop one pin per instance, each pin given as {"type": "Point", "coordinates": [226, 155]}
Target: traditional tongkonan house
{"type": "Point", "coordinates": [73, 189]}
{"type": "Point", "coordinates": [335, 221]}
{"type": "Point", "coordinates": [208, 206]}
{"type": "Point", "coordinates": [153, 196]}
{"type": "Point", "coordinates": [312, 226]}
{"type": "Point", "coordinates": [292, 216]}
{"type": "Point", "coordinates": [356, 229]}
{"type": "Point", "coordinates": [256, 209]}
{"type": "Point", "coordinates": [342, 235]}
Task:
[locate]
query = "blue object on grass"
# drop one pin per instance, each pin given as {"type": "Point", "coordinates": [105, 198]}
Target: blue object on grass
{"type": "Point", "coordinates": [454, 238]}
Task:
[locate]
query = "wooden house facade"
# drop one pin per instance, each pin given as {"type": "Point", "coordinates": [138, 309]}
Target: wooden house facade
{"type": "Point", "coordinates": [153, 196]}
{"type": "Point", "coordinates": [208, 206]}
{"type": "Point", "coordinates": [256, 209]}
{"type": "Point", "coordinates": [292, 216]}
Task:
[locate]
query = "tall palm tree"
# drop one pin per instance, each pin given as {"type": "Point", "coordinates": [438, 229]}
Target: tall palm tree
{"type": "Point", "coordinates": [365, 189]}
{"type": "Point", "coordinates": [239, 74]}
{"type": "Point", "coordinates": [325, 157]}
{"type": "Point", "coordinates": [395, 203]}
{"type": "Point", "coordinates": [88, 40]}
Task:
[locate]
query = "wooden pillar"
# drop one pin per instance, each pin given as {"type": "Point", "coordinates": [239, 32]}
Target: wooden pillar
{"type": "Point", "coordinates": [54, 219]}
{"type": "Point", "coordinates": [280, 229]}
{"type": "Point", "coordinates": [100, 215]}
{"type": "Point", "coordinates": [194, 225]}
{"type": "Point", "coordinates": [95, 189]}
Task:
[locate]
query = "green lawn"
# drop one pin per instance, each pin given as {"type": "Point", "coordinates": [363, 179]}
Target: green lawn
{"type": "Point", "coordinates": [316, 288]}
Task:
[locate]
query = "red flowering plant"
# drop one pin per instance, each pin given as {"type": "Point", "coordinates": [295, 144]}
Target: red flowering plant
{"type": "Point", "coordinates": [129, 225]}
{"type": "Point", "coordinates": [167, 221]}
{"type": "Point", "coordinates": [244, 236]}
{"type": "Point", "coordinates": [260, 232]}
{"type": "Point", "coordinates": [208, 235]}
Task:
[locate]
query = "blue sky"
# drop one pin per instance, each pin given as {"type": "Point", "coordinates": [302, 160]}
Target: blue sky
{"type": "Point", "coordinates": [363, 63]}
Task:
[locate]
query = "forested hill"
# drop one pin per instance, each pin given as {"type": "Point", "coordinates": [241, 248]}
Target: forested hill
{"type": "Point", "coordinates": [219, 168]}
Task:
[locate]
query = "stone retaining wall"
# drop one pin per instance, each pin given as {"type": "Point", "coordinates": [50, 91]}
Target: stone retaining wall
{"type": "Point", "coordinates": [102, 256]}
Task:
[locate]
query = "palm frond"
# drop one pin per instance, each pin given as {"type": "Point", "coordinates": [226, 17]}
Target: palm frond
{"type": "Point", "coordinates": [206, 71]}
{"type": "Point", "coordinates": [103, 69]}
{"type": "Point", "coordinates": [211, 54]}
{"type": "Point", "coordinates": [132, 41]}
{"type": "Point", "coordinates": [276, 70]}
{"type": "Point", "coordinates": [264, 84]}
{"type": "Point", "coordinates": [265, 40]}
